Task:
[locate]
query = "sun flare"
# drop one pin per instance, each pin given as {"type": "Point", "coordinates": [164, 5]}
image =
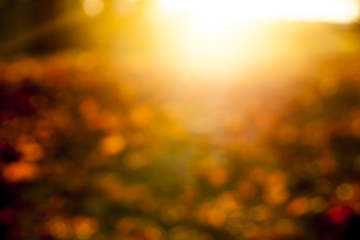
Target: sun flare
{"type": "Point", "coordinates": [232, 11]}
{"type": "Point", "coordinates": [223, 39]}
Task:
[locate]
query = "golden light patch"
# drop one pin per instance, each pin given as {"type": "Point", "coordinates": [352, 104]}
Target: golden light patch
{"type": "Point", "coordinates": [247, 189]}
{"type": "Point", "coordinates": [89, 107]}
{"type": "Point", "coordinates": [251, 231]}
{"type": "Point", "coordinates": [137, 160]}
{"type": "Point", "coordinates": [112, 144]}
{"type": "Point", "coordinates": [141, 117]}
{"type": "Point", "coordinates": [93, 7]}
{"type": "Point", "coordinates": [288, 134]}
{"type": "Point", "coordinates": [308, 97]}
{"type": "Point", "coordinates": [275, 191]}
{"type": "Point", "coordinates": [328, 86]}
{"type": "Point", "coordinates": [60, 230]}
{"type": "Point", "coordinates": [216, 217]}
{"type": "Point", "coordinates": [126, 225]}
{"type": "Point", "coordinates": [112, 186]}
{"type": "Point", "coordinates": [84, 227]}
{"type": "Point", "coordinates": [344, 192]}
{"type": "Point", "coordinates": [152, 233]}
{"type": "Point", "coordinates": [355, 127]}
{"type": "Point", "coordinates": [19, 171]}
{"type": "Point", "coordinates": [298, 206]}
{"type": "Point", "coordinates": [318, 204]}
{"type": "Point", "coordinates": [109, 122]}
{"type": "Point", "coordinates": [261, 213]}
{"type": "Point", "coordinates": [276, 195]}
{"type": "Point", "coordinates": [217, 177]}
{"type": "Point", "coordinates": [31, 151]}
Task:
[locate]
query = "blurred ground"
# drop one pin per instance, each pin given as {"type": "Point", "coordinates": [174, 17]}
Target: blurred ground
{"type": "Point", "coordinates": [114, 127]}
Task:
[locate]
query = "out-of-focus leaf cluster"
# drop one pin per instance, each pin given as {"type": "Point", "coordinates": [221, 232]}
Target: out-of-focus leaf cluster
{"type": "Point", "coordinates": [82, 157]}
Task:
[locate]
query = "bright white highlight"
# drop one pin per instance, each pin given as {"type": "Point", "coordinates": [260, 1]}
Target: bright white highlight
{"type": "Point", "coordinates": [220, 12]}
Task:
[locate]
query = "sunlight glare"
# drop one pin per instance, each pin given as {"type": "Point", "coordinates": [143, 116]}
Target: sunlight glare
{"type": "Point", "coordinates": [231, 11]}
{"type": "Point", "coordinates": [174, 5]}
{"type": "Point", "coordinates": [217, 40]}
{"type": "Point", "coordinates": [93, 7]}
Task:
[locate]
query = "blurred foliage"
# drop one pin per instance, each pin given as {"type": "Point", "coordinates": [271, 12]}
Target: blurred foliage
{"type": "Point", "coordinates": [83, 157]}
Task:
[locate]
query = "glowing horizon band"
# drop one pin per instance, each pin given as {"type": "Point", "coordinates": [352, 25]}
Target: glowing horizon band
{"type": "Point", "coordinates": [230, 11]}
